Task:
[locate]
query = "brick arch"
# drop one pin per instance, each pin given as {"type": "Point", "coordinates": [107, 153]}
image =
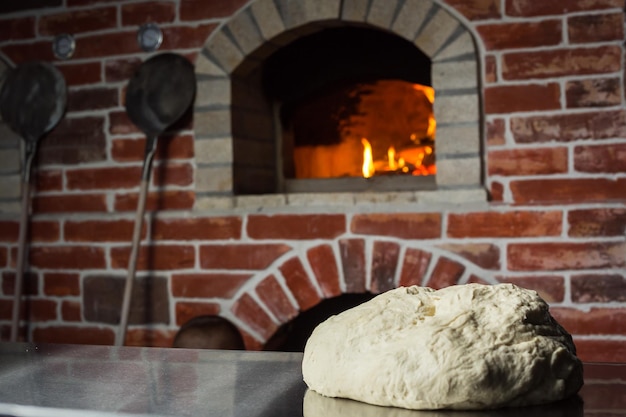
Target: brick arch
{"type": "Point", "coordinates": [300, 281]}
{"type": "Point", "coordinates": [231, 114]}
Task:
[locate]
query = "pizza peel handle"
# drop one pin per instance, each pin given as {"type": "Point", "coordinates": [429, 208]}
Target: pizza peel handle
{"type": "Point", "coordinates": [32, 102]}
{"type": "Point", "coordinates": [158, 95]}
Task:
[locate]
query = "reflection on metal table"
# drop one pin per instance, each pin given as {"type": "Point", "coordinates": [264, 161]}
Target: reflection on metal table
{"type": "Point", "coordinates": [68, 380]}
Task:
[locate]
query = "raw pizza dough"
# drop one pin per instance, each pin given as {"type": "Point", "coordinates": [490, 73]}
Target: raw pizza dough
{"type": "Point", "coordinates": [462, 347]}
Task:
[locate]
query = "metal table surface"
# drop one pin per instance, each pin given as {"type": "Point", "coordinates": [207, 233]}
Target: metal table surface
{"type": "Point", "coordinates": [80, 380]}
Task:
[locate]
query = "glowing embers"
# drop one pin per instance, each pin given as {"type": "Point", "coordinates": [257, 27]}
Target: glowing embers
{"type": "Point", "coordinates": [381, 128]}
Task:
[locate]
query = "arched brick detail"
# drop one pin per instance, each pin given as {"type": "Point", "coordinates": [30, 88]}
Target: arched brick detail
{"type": "Point", "coordinates": [303, 280]}
{"type": "Point", "coordinates": [234, 124]}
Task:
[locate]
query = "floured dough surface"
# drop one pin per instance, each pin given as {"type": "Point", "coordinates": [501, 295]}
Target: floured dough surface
{"type": "Point", "coordinates": [462, 347]}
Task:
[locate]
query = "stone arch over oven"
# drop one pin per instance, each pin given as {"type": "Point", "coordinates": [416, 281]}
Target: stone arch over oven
{"type": "Point", "coordinates": [234, 124]}
{"type": "Point", "coordinates": [301, 280]}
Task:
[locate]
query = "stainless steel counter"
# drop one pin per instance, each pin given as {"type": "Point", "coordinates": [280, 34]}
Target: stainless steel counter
{"type": "Point", "coordinates": [73, 380]}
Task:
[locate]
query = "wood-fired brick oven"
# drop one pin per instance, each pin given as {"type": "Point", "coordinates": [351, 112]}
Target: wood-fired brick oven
{"type": "Point", "coordinates": [317, 48]}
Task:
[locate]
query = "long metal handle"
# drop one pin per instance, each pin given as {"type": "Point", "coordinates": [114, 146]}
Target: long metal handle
{"type": "Point", "coordinates": [132, 261]}
{"type": "Point", "coordinates": [21, 243]}
{"type": "Point", "coordinates": [19, 270]}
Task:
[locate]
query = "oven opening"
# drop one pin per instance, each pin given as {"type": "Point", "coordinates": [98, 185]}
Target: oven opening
{"type": "Point", "coordinates": [361, 129]}
{"type": "Point", "coordinates": [354, 112]}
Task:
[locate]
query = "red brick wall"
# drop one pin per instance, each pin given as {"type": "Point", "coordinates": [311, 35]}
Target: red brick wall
{"type": "Point", "coordinates": [555, 166]}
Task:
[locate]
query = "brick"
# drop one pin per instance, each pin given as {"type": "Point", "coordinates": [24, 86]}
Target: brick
{"type": "Point", "coordinates": [207, 285]}
{"type": "Point", "coordinates": [250, 342]}
{"type": "Point", "coordinates": [549, 287]}
{"type": "Point", "coordinates": [295, 226]}
{"type": "Point", "coordinates": [6, 310]}
{"type": "Point", "coordinates": [171, 173]}
{"type": "Point", "coordinates": [184, 37]}
{"type": "Point", "coordinates": [414, 267]}
{"type": "Point", "coordinates": [199, 9]}
{"type": "Point", "coordinates": [74, 203]}
{"type": "Point", "coordinates": [402, 225]}
{"type": "Point", "coordinates": [299, 284]}
{"type": "Point", "coordinates": [102, 300]}
{"type": "Point", "coordinates": [474, 279]}
{"type": "Point", "coordinates": [39, 310]}
{"type": "Point", "coordinates": [17, 29]}
{"type": "Point", "coordinates": [598, 288]}
{"type": "Point", "coordinates": [74, 335]}
{"type": "Point", "coordinates": [81, 74]}
{"type": "Point", "coordinates": [67, 257]}
{"type": "Point", "coordinates": [593, 322]}
{"type": "Point", "coordinates": [176, 147]}
{"type": "Point", "coordinates": [100, 230]}
{"type": "Point", "coordinates": [120, 69]}
{"type": "Point", "coordinates": [477, 9]}
{"type": "Point", "coordinates": [385, 257]}
{"type": "Point", "coordinates": [324, 266]}
{"type": "Point", "coordinates": [107, 178]}
{"type": "Point", "coordinates": [527, 8]}
{"type": "Point", "coordinates": [156, 257]}
{"type": "Point", "coordinates": [71, 311]}
{"type": "Point", "coordinates": [496, 130]}
{"type": "Point", "coordinates": [120, 123]}
{"type": "Point", "coordinates": [30, 283]}
{"type": "Point", "coordinates": [61, 284]}
{"type": "Point", "coordinates": [595, 28]}
{"type": "Point", "coordinates": [521, 34]}
{"type": "Point", "coordinates": [23, 52]}
{"type": "Point", "coordinates": [569, 127]}
{"type": "Point", "coordinates": [78, 21]}
{"type": "Point", "coordinates": [150, 338]}
{"type": "Point", "coordinates": [522, 98]}
{"type": "Point", "coordinates": [274, 297]}
{"type": "Point", "coordinates": [593, 93]}
{"type": "Point", "coordinates": [484, 255]}
{"type": "Point", "coordinates": [514, 224]}
{"type": "Point", "coordinates": [596, 371]}
{"type": "Point", "coordinates": [48, 180]}
{"type": "Point", "coordinates": [563, 256]}
{"type": "Point", "coordinates": [600, 158]}
{"type": "Point", "coordinates": [568, 191]}
{"type": "Point", "coordinates": [598, 350]}
{"type": "Point", "coordinates": [186, 311]}
{"type": "Point", "coordinates": [137, 14]}
{"type": "Point", "coordinates": [352, 252]}
{"type": "Point", "coordinates": [539, 161]}
{"type": "Point", "coordinates": [248, 311]}
{"type": "Point", "coordinates": [561, 62]}
{"type": "Point", "coordinates": [106, 44]}
{"type": "Point", "coordinates": [92, 99]}
{"type": "Point", "coordinates": [491, 69]}
{"type": "Point", "coordinates": [74, 141]}
{"type": "Point", "coordinates": [44, 231]}
{"type": "Point", "coordinates": [241, 256]}
{"type": "Point", "coordinates": [597, 222]}
{"type": "Point", "coordinates": [197, 228]}
{"type": "Point", "coordinates": [9, 231]}
{"type": "Point", "coordinates": [157, 200]}
{"type": "Point", "coordinates": [446, 273]}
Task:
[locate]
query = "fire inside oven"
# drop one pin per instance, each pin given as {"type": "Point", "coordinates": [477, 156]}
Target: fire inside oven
{"type": "Point", "coordinates": [353, 102]}
{"type": "Point", "coordinates": [362, 129]}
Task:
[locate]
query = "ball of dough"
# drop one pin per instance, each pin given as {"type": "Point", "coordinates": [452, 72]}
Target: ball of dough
{"type": "Point", "coordinates": [462, 347]}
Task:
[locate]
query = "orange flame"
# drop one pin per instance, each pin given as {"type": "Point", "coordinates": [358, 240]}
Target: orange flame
{"type": "Point", "coordinates": [391, 156]}
{"type": "Point", "coordinates": [368, 160]}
